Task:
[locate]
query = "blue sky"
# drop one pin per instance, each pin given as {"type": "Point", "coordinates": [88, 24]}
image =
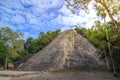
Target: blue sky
{"type": "Point", "coordinates": [34, 16]}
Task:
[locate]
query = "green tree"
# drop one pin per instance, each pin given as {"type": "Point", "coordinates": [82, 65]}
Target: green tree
{"type": "Point", "coordinates": [31, 45]}
{"type": "Point", "coordinates": [45, 39]}
{"type": "Point", "coordinates": [8, 37]}
{"type": "Point", "coordinates": [18, 45]}
{"type": "Point", "coordinates": [81, 31]}
{"type": "Point", "coordinates": [97, 35]}
{"type": "Point", "coordinates": [34, 45]}
{"type": "Point", "coordinates": [3, 54]}
{"type": "Point", "coordinates": [14, 42]}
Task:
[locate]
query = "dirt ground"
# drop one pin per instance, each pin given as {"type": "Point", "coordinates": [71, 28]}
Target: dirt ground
{"type": "Point", "coordinates": [8, 74]}
{"type": "Point", "coordinates": [69, 76]}
{"type": "Point", "coordinates": [84, 75]}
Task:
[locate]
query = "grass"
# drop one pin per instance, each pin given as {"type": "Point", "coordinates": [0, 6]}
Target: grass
{"type": "Point", "coordinates": [102, 68]}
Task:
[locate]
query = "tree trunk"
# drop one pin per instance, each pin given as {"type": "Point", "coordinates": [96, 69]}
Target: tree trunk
{"type": "Point", "coordinates": [107, 61]}
{"type": "Point", "coordinates": [110, 53]}
{"type": "Point", "coordinates": [109, 47]}
{"type": "Point", "coordinates": [6, 62]}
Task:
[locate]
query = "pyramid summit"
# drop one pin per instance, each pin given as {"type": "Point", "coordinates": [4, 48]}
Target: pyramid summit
{"type": "Point", "coordinates": [68, 50]}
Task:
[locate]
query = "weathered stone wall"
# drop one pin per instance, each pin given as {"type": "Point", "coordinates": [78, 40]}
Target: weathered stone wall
{"type": "Point", "coordinates": [67, 50]}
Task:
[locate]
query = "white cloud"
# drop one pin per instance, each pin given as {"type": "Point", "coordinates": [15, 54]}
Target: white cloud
{"type": "Point", "coordinates": [64, 10]}
{"type": "Point", "coordinates": [50, 15]}
{"type": "Point", "coordinates": [42, 15]}
{"type": "Point", "coordinates": [18, 19]}
{"type": "Point", "coordinates": [31, 19]}
{"type": "Point", "coordinates": [12, 4]}
{"type": "Point", "coordinates": [40, 6]}
{"type": "Point", "coordinates": [68, 19]}
{"type": "Point", "coordinates": [66, 28]}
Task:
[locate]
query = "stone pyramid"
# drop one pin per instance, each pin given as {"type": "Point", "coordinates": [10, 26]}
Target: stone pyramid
{"type": "Point", "coordinates": [68, 50]}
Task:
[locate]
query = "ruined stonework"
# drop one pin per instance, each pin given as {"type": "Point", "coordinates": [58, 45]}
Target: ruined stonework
{"type": "Point", "coordinates": [67, 50]}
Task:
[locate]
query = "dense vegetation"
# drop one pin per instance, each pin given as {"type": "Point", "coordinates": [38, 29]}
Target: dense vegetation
{"type": "Point", "coordinates": [10, 45]}
{"type": "Point", "coordinates": [13, 47]}
{"type": "Point", "coordinates": [34, 45]}
{"type": "Point", "coordinates": [106, 40]}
